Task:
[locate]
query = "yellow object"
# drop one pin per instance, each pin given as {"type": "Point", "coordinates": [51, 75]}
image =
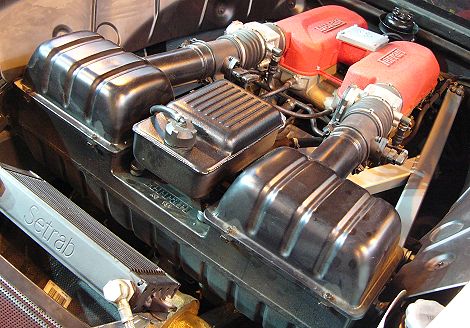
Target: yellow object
{"type": "Point", "coordinates": [186, 315]}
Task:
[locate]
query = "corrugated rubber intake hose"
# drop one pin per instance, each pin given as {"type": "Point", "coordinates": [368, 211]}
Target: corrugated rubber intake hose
{"type": "Point", "coordinates": [349, 144]}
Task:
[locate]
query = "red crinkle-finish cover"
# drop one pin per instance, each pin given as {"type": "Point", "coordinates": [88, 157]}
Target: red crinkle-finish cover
{"type": "Point", "coordinates": [311, 39]}
{"type": "Point", "coordinates": [411, 68]}
{"type": "Point", "coordinates": [312, 48]}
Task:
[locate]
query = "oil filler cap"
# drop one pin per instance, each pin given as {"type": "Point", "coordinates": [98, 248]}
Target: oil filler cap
{"type": "Point", "coordinates": [180, 134]}
{"type": "Point", "coordinates": [399, 25]}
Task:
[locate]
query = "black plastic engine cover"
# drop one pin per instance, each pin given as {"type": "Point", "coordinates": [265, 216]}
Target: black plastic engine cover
{"type": "Point", "coordinates": [234, 128]}
{"type": "Point", "coordinates": [326, 231]}
{"type": "Point", "coordinates": [97, 83]}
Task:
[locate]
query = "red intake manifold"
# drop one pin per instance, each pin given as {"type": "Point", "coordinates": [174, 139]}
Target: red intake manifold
{"type": "Point", "coordinates": [312, 48]}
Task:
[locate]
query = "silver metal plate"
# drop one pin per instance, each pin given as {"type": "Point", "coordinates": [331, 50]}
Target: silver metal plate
{"type": "Point", "coordinates": [442, 262]}
{"type": "Point", "coordinates": [383, 177]}
{"type": "Point", "coordinates": [75, 238]}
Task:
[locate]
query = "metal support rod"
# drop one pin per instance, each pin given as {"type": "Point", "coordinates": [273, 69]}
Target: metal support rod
{"type": "Point", "coordinates": [413, 194]}
{"type": "Point", "coordinates": [94, 8]}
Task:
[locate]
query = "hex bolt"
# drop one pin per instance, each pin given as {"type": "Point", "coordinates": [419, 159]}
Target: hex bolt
{"type": "Point", "coordinates": [460, 90]}
{"type": "Point", "coordinates": [329, 297]}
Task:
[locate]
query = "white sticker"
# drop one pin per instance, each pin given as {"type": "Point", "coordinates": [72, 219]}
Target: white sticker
{"type": "Point", "coordinates": [57, 294]}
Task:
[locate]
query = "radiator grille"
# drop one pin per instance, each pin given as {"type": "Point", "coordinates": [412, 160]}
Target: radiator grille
{"type": "Point", "coordinates": [18, 311]}
{"type": "Point", "coordinates": [88, 225]}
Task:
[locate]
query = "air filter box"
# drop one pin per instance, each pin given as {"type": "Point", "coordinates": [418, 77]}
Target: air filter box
{"type": "Point", "coordinates": [234, 128]}
{"type": "Point", "coordinates": [96, 83]}
{"type": "Point", "coordinates": [325, 231]}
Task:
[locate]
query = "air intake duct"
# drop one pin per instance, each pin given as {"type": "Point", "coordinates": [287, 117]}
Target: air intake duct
{"type": "Point", "coordinates": [350, 143]}
{"type": "Point", "coordinates": [250, 43]}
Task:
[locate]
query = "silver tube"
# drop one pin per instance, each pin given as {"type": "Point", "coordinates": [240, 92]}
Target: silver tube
{"type": "Point", "coordinates": [413, 194]}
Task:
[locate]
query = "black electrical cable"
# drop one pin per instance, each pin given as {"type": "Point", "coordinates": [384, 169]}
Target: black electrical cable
{"type": "Point", "coordinates": [283, 88]}
{"type": "Point", "coordinates": [316, 131]}
{"type": "Point", "coordinates": [313, 122]}
{"type": "Point", "coordinates": [416, 126]}
{"type": "Point", "coordinates": [167, 111]}
{"type": "Point", "coordinates": [304, 106]}
{"type": "Point", "coordinates": [300, 104]}
{"type": "Point", "coordinates": [419, 119]}
{"type": "Point", "coordinates": [300, 115]}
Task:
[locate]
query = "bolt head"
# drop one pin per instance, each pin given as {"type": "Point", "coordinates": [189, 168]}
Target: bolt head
{"type": "Point", "coordinates": [402, 157]}
{"type": "Point", "coordinates": [291, 3]}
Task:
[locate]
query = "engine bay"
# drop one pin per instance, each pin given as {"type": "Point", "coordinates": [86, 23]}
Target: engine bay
{"type": "Point", "coordinates": [279, 167]}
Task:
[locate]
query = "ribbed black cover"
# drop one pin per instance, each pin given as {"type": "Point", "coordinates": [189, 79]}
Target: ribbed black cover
{"type": "Point", "coordinates": [232, 117]}
{"type": "Point", "coordinates": [326, 231]}
{"type": "Point", "coordinates": [97, 82]}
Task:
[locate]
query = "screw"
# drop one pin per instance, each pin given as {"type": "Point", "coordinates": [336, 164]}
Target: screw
{"type": "Point", "coordinates": [220, 10]}
{"type": "Point", "coordinates": [231, 230]}
{"type": "Point", "coordinates": [329, 297]}
{"type": "Point", "coordinates": [136, 169]}
{"type": "Point", "coordinates": [2, 188]}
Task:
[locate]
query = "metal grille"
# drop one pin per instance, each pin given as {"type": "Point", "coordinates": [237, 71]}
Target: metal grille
{"type": "Point", "coordinates": [18, 311]}
{"type": "Point", "coordinates": [88, 225]}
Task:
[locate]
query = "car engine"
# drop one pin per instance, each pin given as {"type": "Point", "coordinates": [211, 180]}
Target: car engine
{"type": "Point", "coordinates": [263, 167]}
